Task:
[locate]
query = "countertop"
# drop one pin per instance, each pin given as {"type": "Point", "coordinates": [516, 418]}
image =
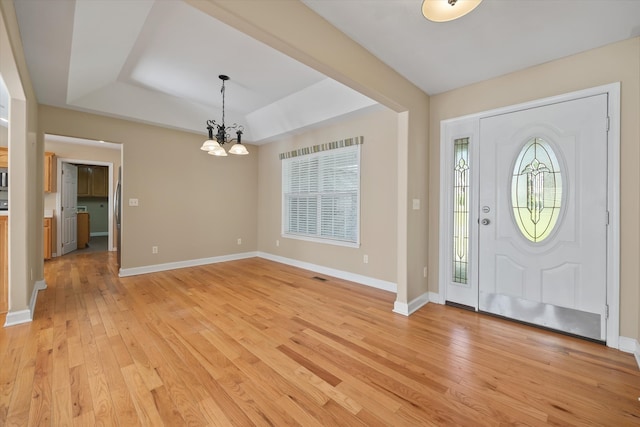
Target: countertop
{"type": "Point", "coordinates": [48, 213]}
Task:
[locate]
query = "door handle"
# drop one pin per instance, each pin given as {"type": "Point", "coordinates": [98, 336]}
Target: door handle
{"type": "Point", "coordinates": [485, 221]}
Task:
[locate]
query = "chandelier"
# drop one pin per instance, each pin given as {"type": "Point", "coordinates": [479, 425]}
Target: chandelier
{"type": "Point", "coordinates": [214, 144]}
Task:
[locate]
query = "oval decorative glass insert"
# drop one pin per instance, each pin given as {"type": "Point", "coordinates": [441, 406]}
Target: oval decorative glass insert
{"type": "Point", "coordinates": [536, 190]}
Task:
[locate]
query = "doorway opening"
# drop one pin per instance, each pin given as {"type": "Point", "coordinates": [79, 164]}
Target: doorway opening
{"type": "Point", "coordinates": [83, 201]}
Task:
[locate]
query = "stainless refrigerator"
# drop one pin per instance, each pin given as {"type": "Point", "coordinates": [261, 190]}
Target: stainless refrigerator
{"type": "Point", "coordinates": [117, 207]}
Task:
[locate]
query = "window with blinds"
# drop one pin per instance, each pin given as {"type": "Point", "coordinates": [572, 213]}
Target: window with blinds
{"type": "Point", "coordinates": [321, 196]}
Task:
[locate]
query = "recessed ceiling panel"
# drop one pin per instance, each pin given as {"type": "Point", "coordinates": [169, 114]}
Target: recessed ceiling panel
{"type": "Point", "coordinates": [181, 51]}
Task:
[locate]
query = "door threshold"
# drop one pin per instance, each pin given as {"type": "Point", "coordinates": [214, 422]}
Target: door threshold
{"type": "Point", "coordinates": [544, 328]}
{"type": "Point", "coordinates": [458, 305]}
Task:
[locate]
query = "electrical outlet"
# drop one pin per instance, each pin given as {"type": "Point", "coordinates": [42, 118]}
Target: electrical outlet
{"type": "Point", "coordinates": [365, 259]}
{"type": "Point", "coordinates": [154, 249]}
{"type": "Point", "coordinates": [239, 241]}
{"type": "Point", "coordinates": [277, 242]}
{"type": "Point", "coordinates": [133, 202]}
{"type": "Point", "coordinates": [424, 272]}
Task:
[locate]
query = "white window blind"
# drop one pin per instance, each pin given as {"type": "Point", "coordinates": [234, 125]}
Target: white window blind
{"type": "Point", "coordinates": [321, 196]}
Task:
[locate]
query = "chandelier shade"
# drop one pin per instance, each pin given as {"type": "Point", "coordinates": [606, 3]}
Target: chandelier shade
{"type": "Point", "coordinates": [213, 145]}
{"type": "Point", "coordinates": [239, 149]}
{"type": "Point", "coordinates": [447, 10]}
{"type": "Point", "coordinates": [218, 151]}
{"type": "Point", "coordinates": [210, 145]}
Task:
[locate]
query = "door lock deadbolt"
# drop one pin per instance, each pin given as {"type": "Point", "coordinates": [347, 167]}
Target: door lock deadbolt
{"type": "Point", "coordinates": [485, 221]}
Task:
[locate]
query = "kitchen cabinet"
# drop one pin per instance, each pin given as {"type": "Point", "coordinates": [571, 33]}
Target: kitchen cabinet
{"type": "Point", "coordinates": [83, 226]}
{"type": "Point", "coordinates": [4, 264]}
{"type": "Point", "coordinates": [47, 238]}
{"type": "Point", "coordinates": [84, 174]}
{"type": "Point", "coordinates": [49, 168]}
{"type": "Point", "coordinates": [4, 157]}
{"type": "Point", "coordinates": [100, 181]}
{"type": "Point", "coordinates": [49, 172]}
{"type": "Point", "coordinates": [93, 181]}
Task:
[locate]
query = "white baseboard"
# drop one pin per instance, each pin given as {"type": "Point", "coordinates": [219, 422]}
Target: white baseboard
{"type": "Point", "coordinates": [18, 317]}
{"type": "Point", "coordinates": [401, 308]}
{"type": "Point", "coordinates": [413, 305]}
{"type": "Point", "coordinates": [626, 344]}
{"type": "Point", "coordinates": [435, 297]}
{"type": "Point", "coordinates": [39, 286]}
{"type": "Point", "coordinates": [24, 316]}
{"type": "Point", "coordinates": [125, 272]}
{"type": "Point", "coordinates": [630, 345]}
{"type": "Point", "coordinates": [345, 275]}
{"type": "Point", "coordinates": [357, 278]}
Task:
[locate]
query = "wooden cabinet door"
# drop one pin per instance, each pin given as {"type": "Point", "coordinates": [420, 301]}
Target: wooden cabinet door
{"type": "Point", "coordinates": [4, 264]}
{"type": "Point", "coordinates": [4, 157]}
{"type": "Point", "coordinates": [93, 181]}
{"type": "Point", "coordinates": [49, 172]}
{"type": "Point", "coordinates": [47, 238]}
{"type": "Point", "coordinates": [84, 180]}
{"type": "Point", "coordinates": [99, 181]}
{"type": "Point", "coordinates": [83, 228]}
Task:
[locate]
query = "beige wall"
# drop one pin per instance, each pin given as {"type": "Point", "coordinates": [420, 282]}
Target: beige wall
{"type": "Point", "coordinates": [378, 188]}
{"type": "Point", "coordinates": [26, 263]}
{"type": "Point", "coordinates": [613, 63]}
{"type": "Point", "coordinates": [87, 153]}
{"type": "Point", "coordinates": [191, 205]}
{"type": "Point", "coordinates": [171, 178]}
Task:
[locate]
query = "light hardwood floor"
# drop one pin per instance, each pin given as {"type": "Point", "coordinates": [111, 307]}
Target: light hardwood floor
{"type": "Point", "coordinates": [253, 342]}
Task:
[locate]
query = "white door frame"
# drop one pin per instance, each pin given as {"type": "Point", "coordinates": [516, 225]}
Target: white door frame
{"type": "Point", "coordinates": [468, 126]}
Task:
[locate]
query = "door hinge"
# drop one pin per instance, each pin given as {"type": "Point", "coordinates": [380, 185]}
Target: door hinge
{"type": "Point", "coordinates": [607, 218]}
{"type": "Point", "coordinates": [608, 123]}
{"type": "Point", "coordinates": [606, 311]}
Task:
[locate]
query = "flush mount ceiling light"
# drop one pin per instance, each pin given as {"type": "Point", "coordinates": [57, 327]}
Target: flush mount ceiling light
{"type": "Point", "coordinates": [214, 144]}
{"type": "Point", "coordinates": [447, 10]}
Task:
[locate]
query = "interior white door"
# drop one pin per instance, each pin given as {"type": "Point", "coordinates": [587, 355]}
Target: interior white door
{"type": "Point", "coordinates": [69, 196]}
{"type": "Point", "coordinates": [543, 216]}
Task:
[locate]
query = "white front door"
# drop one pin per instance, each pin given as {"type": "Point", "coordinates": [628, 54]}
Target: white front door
{"type": "Point", "coordinates": [542, 233]}
{"type": "Point", "coordinates": [69, 206]}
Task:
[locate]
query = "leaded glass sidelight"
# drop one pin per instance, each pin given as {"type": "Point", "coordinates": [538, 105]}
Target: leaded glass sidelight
{"type": "Point", "coordinates": [460, 209]}
{"type": "Point", "coordinates": [536, 190]}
